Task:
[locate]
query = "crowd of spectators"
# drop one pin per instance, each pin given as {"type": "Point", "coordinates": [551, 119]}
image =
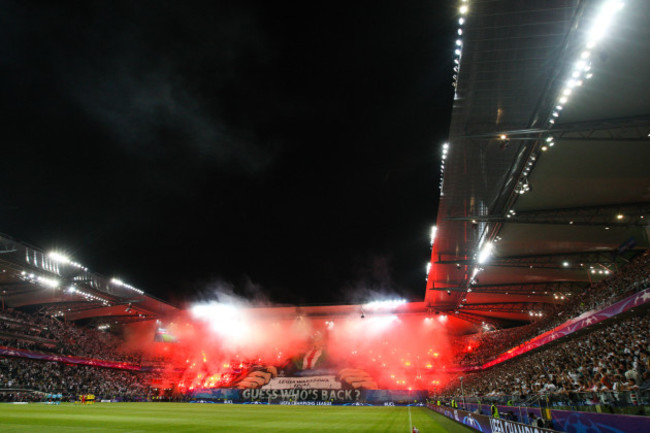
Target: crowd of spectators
{"type": "Point", "coordinates": [28, 380]}
{"type": "Point", "coordinates": [23, 379]}
{"type": "Point", "coordinates": [633, 277]}
{"type": "Point", "coordinates": [476, 349]}
{"type": "Point", "coordinates": [38, 332]}
{"type": "Point", "coordinates": [612, 358]}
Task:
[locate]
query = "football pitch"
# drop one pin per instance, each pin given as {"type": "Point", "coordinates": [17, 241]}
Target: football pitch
{"type": "Point", "coordinates": [197, 418]}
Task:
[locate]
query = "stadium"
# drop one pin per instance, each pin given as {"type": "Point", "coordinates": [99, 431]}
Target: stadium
{"type": "Point", "coordinates": [533, 318]}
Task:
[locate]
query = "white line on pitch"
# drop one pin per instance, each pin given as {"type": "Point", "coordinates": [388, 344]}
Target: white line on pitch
{"type": "Point", "coordinates": [410, 421]}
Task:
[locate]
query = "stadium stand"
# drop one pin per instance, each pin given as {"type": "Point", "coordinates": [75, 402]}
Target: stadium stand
{"type": "Point", "coordinates": [23, 379]}
{"type": "Point", "coordinates": [488, 345]}
{"type": "Point", "coordinates": [29, 380]}
{"type": "Point", "coordinates": [599, 364]}
{"type": "Point", "coordinates": [41, 333]}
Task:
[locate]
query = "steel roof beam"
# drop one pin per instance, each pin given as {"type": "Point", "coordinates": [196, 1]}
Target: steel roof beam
{"type": "Point", "coordinates": [507, 307]}
{"type": "Point", "coordinates": [613, 215]}
{"type": "Point", "coordinates": [569, 261]}
{"type": "Point", "coordinates": [522, 288]}
{"type": "Point", "coordinates": [621, 129]}
{"type": "Point", "coordinates": [479, 319]}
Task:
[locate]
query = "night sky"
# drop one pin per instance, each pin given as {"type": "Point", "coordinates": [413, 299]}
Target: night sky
{"type": "Point", "coordinates": [283, 151]}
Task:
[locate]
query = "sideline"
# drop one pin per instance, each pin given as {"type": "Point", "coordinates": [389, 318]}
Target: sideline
{"type": "Point", "coordinates": [410, 421]}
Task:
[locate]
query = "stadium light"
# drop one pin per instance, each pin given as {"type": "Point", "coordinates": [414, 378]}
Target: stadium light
{"type": "Point", "coordinates": [58, 257]}
{"type": "Point", "coordinates": [598, 28]}
{"type": "Point", "coordinates": [434, 231]}
{"type": "Point", "coordinates": [603, 21]}
{"type": "Point", "coordinates": [384, 304]}
{"type": "Point", "coordinates": [63, 259]}
{"type": "Point", "coordinates": [485, 253]}
{"type": "Point", "coordinates": [49, 282]}
{"type": "Point", "coordinates": [121, 283]}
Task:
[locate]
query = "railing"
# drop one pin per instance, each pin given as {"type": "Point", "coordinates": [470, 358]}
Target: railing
{"type": "Point", "coordinates": [607, 401]}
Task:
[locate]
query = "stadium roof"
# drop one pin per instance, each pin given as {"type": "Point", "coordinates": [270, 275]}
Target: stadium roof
{"type": "Point", "coordinates": [545, 183]}
{"type": "Point", "coordinates": [57, 286]}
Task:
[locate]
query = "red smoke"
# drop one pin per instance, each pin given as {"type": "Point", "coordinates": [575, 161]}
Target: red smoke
{"type": "Point", "coordinates": [217, 344]}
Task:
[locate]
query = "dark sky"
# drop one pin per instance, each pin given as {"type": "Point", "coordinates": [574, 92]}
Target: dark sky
{"type": "Point", "coordinates": [285, 149]}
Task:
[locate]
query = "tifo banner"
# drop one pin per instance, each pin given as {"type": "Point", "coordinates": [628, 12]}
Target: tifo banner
{"type": "Point", "coordinates": [335, 396]}
{"type": "Point", "coordinates": [6, 351]}
{"type": "Point", "coordinates": [338, 395]}
{"type": "Point", "coordinates": [584, 320]}
{"type": "Point", "coordinates": [311, 382]}
{"type": "Point", "coordinates": [487, 424]}
{"type": "Point", "coordinates": [276, 395]}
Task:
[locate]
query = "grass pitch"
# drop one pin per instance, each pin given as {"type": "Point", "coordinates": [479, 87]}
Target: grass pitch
{"type": "Point", "coordinates": [198, 418]}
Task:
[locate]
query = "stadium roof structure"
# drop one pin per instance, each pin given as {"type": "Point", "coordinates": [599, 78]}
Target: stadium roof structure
{"type": "Point", "coordinates": [57, 286]}
{"type": "Point", "coordinates": [545, 180]}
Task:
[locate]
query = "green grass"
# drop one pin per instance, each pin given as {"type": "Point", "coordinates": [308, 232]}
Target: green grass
{"type": "Point", "coordinates": [195, 418]}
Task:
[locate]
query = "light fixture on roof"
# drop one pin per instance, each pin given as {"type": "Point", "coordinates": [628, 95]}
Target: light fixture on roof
{"type": "Point", "coordinates": [523, 186]}
{"type": "Point", "coordinates": [485, 253]}
{"type": "Point", "coordinates": [596, 32]}
{"type": "Point", "coordinates": [49, 282]}
{"type": "Point", "coordinates": [603, 21]}
{"type": "Point", "coordinates": [58, 257]}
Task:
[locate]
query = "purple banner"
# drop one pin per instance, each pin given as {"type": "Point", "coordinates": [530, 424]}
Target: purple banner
{"type": "Point", "coordinates": [589, 422]}
{"type": "Point", "coordinates": [6, 351]}
{"type": "Point", "coordinates": [571, 421]}
{"type": "Point", "coordinates": [487, 424]}
{"type": "Point", "coordinates": [584, 320]}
